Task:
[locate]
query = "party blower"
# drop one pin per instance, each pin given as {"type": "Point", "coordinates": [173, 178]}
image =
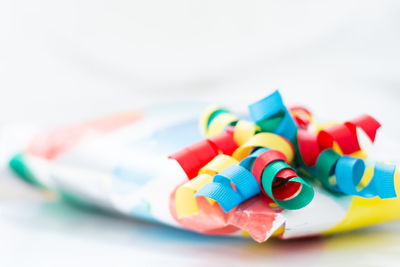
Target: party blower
{"type": "Point", "coordinates": [279, 173]}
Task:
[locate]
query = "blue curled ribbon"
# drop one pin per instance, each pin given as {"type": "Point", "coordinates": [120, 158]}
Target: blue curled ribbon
{"type": "Point", "coordinates": [246, 185]}
{"type": "Point", "coordinates": [350, 170]}
{"type": "Point", "coordinates": [271, 108]}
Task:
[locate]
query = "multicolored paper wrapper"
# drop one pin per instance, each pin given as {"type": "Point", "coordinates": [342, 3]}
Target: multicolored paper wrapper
{"type": "Point", "coordinates": [123, 163]}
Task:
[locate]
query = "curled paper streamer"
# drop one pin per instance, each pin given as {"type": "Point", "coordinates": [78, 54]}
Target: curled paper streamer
{"type": "Point", "coordinates": [349, 172]}
{"type": "Point", "coordinates": [292, 192]}
{"type": "Point", "coordinates": [265, 150]}
{"type": "Point", "coordinates": [246, 186]}
{"type": "Point", "coordinates": [194, 157]}
{"type": "Point", "coordinates": [268, 167]}
{"type": "Point", "coordinates": [271, 115]}
{"type": "Point", "coordinates": [301, 115]}
{"type": "Point", "coordinates": [310, 144]}
{"type": "Point", "coordinates": [215, 120]}
{"type": "Point", "coordinates": [236, 184]}
{"type": "Point", "coordinates": [269, 140]}
{"type": "Point", "coordinates": [345, 134]}
{"type": "Point", "coordinates": [185, 202]}
{"type": "Point", "coordinates": [315, 151]}
{"type": "Point", "coordinates": [221, 189]}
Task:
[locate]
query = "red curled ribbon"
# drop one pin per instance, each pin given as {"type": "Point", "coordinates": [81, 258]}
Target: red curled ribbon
{"type": "Point", "coordinates": [345, 135]}
{"type": "Point", "coordinates": [224, 142]}
{"type": "Point", "coordinates": [301, 115]}
{"type": "Point", "coordinates": [281, 191]}
{"type": "Point", "coordinates": [192, 158]}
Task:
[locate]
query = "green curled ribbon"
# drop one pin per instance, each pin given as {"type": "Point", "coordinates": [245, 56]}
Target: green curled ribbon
{"type": "Point", "coordinates": [300, 200]}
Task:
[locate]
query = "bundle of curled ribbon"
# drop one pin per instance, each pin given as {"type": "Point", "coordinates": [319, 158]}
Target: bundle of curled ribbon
{"type": "Point", "coordinates": [240, 159]}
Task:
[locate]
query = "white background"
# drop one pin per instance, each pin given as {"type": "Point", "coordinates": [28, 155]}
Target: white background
{"type": "Point", "coordinates": [66, 61]}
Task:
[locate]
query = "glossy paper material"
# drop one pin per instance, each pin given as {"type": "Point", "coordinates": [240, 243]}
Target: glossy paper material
{"type": "Point", "coordinates": [121, 163]}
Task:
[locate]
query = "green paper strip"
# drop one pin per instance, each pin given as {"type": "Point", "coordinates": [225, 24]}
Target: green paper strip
{"type": "Point", "coordinates": [303, 198]}
{"type": "Point", "coordinates": [325, 166]}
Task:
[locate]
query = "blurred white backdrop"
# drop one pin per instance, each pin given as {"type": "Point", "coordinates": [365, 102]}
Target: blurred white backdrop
{"type": "Point", "coordinates": [74, 59]}
{"type": "Point", "coordinates": [66, 61]}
